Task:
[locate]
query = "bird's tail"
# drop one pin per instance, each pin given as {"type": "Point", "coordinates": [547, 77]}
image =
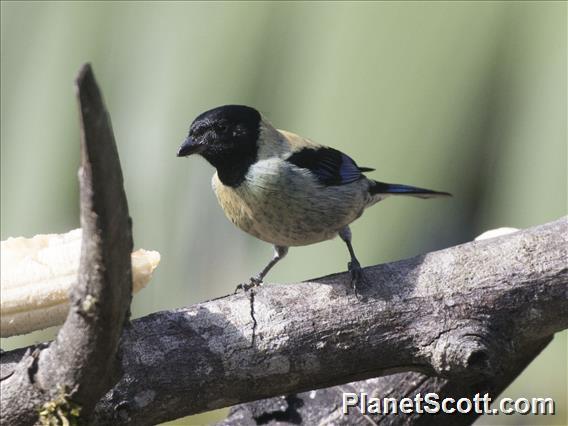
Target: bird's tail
{"type": "Point", "coordinates": [380, 188]}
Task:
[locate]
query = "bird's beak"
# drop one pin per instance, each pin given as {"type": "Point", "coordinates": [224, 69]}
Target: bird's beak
{"type": "Point", "coordinates": [190, 146]}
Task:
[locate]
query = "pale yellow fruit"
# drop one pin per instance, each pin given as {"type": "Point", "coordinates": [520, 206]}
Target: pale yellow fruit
{"type": "Point", "coordinates": [37, 273]}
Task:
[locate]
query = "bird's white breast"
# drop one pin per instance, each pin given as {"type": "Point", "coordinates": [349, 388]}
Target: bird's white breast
{"type": "Point", "coordinates": [286, 205]}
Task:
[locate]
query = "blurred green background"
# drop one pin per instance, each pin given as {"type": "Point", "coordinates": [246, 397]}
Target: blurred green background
{"type": "Point", "coordinates": [462, 97]}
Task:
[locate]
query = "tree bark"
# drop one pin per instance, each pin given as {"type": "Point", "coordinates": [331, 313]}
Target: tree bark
{"type": "Point", "coordinates": [475, 313]}
{"type": "Point", "coordinates": [466, 314]}
{"type": "Point", "coordinates": [66, 378]}
{"type": "Point", "coordinates": [324, 406]}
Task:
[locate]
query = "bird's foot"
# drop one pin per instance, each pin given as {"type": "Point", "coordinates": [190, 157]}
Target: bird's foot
{"type": "Point", "coordinates": [253, 282]}
{"type": "Point", "coordinates": [358, 279]}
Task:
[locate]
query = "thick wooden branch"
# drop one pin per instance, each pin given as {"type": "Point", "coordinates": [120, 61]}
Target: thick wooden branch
{"type": "Point", "coordinates": [466, 313]}
{"type": "Point", "coordinates": [67, 377]}
{"type": "Point", "coordinates": [324, 406]}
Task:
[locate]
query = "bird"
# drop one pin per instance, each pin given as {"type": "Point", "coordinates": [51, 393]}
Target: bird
{"type": "Point", "coordinates": [282, 188]}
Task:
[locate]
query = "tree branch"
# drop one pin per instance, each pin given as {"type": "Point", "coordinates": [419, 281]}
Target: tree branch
{"type": "Point", "coordinates": [474, 313]}
{"type": "Point", "coordinates": [324, 406]}
{"type": "Point", "coordinates": [67, 377]}
{"type": "Point", "coordinates": [465, 314]}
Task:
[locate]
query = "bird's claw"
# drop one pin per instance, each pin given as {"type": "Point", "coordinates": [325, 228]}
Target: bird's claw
{"type": "Point", "coordinates": [253, 282]}
{"type": "Point", "coordinates": [358, 279]}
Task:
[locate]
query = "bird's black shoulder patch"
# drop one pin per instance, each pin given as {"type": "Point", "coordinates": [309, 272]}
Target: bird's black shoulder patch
{"type": "Point", "coordinates": [330, 166]}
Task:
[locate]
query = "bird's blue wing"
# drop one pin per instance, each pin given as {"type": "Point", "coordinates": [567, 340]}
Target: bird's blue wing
{"type": "Point", "coordinates": [330, 166]}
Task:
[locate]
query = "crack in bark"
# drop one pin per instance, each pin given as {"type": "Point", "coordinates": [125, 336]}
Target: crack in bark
{"type": "Point", "coordinates": [254, 322]}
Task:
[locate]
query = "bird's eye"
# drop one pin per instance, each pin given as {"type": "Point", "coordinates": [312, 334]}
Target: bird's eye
{"type": "Point", "coordinates": [222, 127]}
{"type": "Point", "coordinates": [239, 130]}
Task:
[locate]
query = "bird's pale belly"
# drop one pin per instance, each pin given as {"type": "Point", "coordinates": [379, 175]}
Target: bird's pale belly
{"type": "Point", "coordinates": [290, 216]}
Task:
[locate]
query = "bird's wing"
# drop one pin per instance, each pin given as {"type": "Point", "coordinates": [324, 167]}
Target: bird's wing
{"type": "Point", "coordinates": [330, 166]}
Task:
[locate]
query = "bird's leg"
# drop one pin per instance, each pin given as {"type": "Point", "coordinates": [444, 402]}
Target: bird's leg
{"type": "Point", "coordinates": [354, 267]}
{"type": "Point", "coordinates": [279, 253]}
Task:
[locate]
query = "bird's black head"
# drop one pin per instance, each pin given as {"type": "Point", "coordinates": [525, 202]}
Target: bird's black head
{"type": "Point", "coordinates": [226, 137]}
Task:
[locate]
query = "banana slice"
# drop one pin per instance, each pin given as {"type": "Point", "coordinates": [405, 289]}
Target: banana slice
{"type": "Point", "coordinates": [37, 273]}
